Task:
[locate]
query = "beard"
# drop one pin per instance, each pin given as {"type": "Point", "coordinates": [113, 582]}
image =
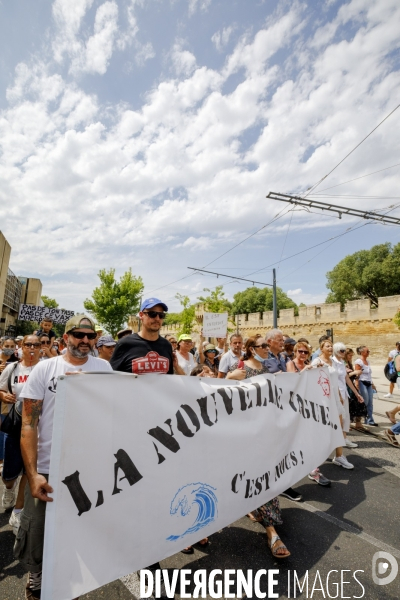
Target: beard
{"type": "Point", "coordinates": [77, 351]}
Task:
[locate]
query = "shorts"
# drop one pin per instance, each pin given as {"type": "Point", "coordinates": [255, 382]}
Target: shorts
{"type": "Point", "coordinates": [28, 547]}
{"type": "Point", "coordinates": [13, 463]}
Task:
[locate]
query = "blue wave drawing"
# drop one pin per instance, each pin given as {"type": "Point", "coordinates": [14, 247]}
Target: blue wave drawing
{"type": "Point", "coordinates": [199, 494]}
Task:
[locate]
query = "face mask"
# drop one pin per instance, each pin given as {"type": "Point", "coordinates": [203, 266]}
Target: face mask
{"type": "Point", "coordinates": [8, 351]}
{"type": "Point", "coordinates": [255, 355]}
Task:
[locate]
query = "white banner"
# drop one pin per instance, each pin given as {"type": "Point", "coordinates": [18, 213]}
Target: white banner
{"type": "Point", "coordinates": [215, 324]}
{"type": "Point", "coordinates": [30, 312]}
{"type": "Point", "coordinates": [144, 466]}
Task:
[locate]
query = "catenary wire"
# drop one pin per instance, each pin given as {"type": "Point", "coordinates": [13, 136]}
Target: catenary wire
{"type": "Point", "coordinates": [312, 188]}
{"type": "Point", "coordinates": [361, 177]}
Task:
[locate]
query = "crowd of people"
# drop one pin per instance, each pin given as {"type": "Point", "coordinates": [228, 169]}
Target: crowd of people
{"type": "Point", "coordinates": [31, 364]}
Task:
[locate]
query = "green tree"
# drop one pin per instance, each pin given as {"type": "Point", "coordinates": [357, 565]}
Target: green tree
{"type": "Point", "coordinates": [49, 302]}
{"type": "Point", "coordinates": [366, 274]}
{"type": "Point", "coordinates": [114, 301]}
{"type": "Point", "coordinates": [187, 314]}
{"type": "Point", "coordinates": [254, 299]}
{"type": "Point", "coordinates": [396, 318]}
{"type": "Point", "coordinates": [215, 302]}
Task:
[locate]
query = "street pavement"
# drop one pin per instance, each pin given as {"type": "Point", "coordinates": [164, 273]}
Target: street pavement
{"type": "Point", "coordinates": [335, 530]}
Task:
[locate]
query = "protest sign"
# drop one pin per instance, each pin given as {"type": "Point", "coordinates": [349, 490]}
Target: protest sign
{"type": "Point", "coordinates": [215, 324]}
{"type": "Point", "coordinates": [30, 312]}
{"type": "Point", "coordinates": [143, 466]}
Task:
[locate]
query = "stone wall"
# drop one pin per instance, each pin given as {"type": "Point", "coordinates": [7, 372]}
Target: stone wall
{"type": "Point", "coordinates": [358, 324]}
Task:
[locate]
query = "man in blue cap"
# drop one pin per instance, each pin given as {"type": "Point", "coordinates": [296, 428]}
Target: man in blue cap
{"type": "Point", "coordinates": [146, 351]}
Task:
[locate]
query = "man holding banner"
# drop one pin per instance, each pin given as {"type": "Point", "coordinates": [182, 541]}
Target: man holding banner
{"type": "Point", "coordinates": [36, 440]}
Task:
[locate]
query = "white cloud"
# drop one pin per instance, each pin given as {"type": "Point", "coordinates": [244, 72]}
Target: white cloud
{"type": "Point", "coordinates": [183, 61]}
{"type": "Point", "coordinates": [195, 5]}
{"type": "Point", "coordinates": [221, 38]}
{"type": "Point", "coordinates": [144, 52]}
{"type": "Point", "coordinates": [189, 166]}
{"type": "Point", "coordinates": [299, 297]}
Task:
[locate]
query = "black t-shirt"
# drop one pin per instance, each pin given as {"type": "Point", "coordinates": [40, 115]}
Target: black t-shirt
{"type": "Point", "coordinates": [133, 354]}
{"type": "Point", "coordinates": [50, 334]}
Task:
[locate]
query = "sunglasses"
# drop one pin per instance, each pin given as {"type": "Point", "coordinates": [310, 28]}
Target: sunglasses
{"type": "Point", "coordinates": [263, 346]}
{"type": "Point", "coordinates": [303, 351]}
{"type": "Point", "coordinates": [173, 342]}
{"type": "Point", "coordinates": [32, 345]}
{"type": "Point", "coordinates": [342, 351]}
{"type": "Point", "coordinates": [43, 342]}
{"type": "Point", "coordinates": [155, 313]}
{"type": "Point", "coordinates": [79, 335]}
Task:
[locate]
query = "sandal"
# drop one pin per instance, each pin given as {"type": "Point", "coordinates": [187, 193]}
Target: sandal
{"type": "Point", "coordinates": [390, 439]}
{"type": "Point", "coordinates": [188, 550]}
{"type": "Point", "coordinates": [272, 542]}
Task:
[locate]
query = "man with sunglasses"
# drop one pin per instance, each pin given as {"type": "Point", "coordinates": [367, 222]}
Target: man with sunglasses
{"type": "Point", "coordinates": [36, 436]}
{"type": "Point", "coordinates": [146, 351]}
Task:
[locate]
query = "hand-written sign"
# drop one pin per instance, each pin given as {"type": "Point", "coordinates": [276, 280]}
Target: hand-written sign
{"type": "Point", "coordinates": [198, 453]}
{"type": "Point", "coordinates": [215, 324]}
{"type": "Point", "coordinates": [30, 312]}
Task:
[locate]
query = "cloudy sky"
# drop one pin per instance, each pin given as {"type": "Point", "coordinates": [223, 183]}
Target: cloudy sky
{"type": "Point", "coordinates": [147, 134]}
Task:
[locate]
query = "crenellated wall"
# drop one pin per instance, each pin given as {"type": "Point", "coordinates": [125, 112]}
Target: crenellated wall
{"type": "Point", "coordinates": [358, 324]}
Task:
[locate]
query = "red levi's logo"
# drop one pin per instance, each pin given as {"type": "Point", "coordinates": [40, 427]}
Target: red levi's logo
{"type": "Point", "coordinates": [151, 363]}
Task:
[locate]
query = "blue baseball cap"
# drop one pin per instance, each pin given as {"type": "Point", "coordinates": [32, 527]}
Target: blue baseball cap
{"type": "Point", "coordinates": [150, 302]}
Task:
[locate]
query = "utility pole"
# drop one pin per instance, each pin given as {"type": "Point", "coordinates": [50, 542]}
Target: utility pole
{"type": "Point", "coordinates": [340, 210]}
{"type": "Point", "coordinates": [273, 285]}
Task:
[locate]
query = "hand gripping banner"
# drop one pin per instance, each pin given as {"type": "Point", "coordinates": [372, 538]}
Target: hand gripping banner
{"type": "Point", "coordinates": [144, 466]}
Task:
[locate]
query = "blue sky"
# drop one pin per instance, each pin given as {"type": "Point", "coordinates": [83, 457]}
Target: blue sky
{"type": "Point", "coordinates": [146, 134]}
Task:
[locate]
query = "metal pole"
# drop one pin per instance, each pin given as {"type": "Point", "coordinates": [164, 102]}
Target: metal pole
{"type": "Point", "coordinates": [274, 307]}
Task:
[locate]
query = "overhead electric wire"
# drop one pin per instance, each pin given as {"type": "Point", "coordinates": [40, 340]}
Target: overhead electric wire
{"type": "Point", "coordinates": [277, 216]}
{"type": "Point", "coordinates": [351, 152]}
{"type": "Point", "coordinates": [361, 177]}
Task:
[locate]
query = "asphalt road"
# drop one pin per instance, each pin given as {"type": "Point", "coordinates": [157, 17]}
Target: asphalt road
{"type": "Point", "coordinates": [333, 529]}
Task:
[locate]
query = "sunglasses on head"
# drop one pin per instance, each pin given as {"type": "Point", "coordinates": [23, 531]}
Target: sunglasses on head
{"type": "Point", "coordinates": [155, 313]}
{"type": "Point", "coordinates": [32, 345]}
{"type": "Point", "coordinates": [79, 335]}
{"type": "Point", "coordinates": [263, 346]}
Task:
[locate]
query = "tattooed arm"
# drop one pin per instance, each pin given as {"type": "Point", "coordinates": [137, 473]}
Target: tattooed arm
{"type": "Point", "coordinates": [31, 412]}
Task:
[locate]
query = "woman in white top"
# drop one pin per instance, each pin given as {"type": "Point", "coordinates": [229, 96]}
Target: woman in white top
{"type": "Point", "coordinates": [339, 352]}
{"type": "Point", "coordinates": [365, 384]}
{"type": "Point", "coordinates": [185, 357]}
{"type": "Point", "coordinates": [325, 360]}
{"type": "Point", "coordinates": [10, 389]}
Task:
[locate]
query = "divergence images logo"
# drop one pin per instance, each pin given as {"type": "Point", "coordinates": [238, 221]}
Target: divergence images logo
{"type": "Point", "coordinates": [196, 505]}
{"type": "Point", "coordinates": [380, 566]}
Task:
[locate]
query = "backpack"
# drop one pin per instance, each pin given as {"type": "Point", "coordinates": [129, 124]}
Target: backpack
{"type": "Point", "coordinates": [390, 370]}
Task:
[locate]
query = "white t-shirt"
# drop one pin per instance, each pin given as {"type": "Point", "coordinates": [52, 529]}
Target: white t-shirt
{"type": "Point", "coordinates": [19, 376]}
{"type": "Point", "coordinates": [366, 374]}
{"type": "Point", "coordinates": [42, 385]}
{"type": "Point", "coordinates": [186, 365]}
{"type": "Point", "coordinates": [341, 371]}
{"type": "Point", "coordinates": [393, 353]}
{"type": "Point", "coordinates": [227, 361]}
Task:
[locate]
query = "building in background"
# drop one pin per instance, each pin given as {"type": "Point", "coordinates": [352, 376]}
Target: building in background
{"type": "Point", "coordinates": [14, 291]}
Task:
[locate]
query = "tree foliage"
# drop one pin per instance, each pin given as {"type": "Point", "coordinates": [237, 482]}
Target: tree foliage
{"type": "Point", "coordinates": [215, 302]}
{"type": "Point", "coordinates": [396, 318]}
{"type": "Point", "coordinates": [366, 274]}
{"type": "Point", "coordinates": [254, 299]}
{"type": "Point", "coordinates": [114, 301]}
